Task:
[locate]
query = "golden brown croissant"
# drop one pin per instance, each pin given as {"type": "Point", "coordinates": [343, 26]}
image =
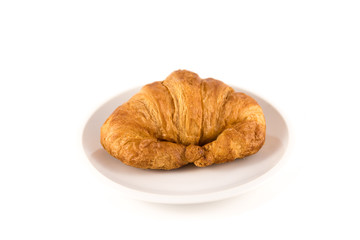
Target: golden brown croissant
{"type": "Point", "coordinates": [184, 119]}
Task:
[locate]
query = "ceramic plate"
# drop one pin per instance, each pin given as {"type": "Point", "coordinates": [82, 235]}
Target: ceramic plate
{"type": "Point", "coordinates": [188, 184]}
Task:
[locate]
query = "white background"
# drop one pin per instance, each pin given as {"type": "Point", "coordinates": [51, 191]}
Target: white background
{"type": "Point", "coordinates": [60, 60]}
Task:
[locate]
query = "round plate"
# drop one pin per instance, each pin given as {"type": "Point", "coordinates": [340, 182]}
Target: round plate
{"type": "Point", "coordinates": [188, 184]}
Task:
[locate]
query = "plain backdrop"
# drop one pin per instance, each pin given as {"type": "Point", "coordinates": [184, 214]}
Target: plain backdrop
{"type": "Point", "coordinates": [60, 60]}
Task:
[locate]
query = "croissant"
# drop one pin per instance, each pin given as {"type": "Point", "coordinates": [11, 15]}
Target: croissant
{"type": "Point", "coordinates": [184, 119]}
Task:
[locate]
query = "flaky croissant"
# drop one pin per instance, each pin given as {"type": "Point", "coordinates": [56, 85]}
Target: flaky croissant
{"type": "Point", "coordinates": [184, 119]}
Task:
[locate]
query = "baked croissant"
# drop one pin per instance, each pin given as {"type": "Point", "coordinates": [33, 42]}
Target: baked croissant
{"type": "Point", "coordinates": [184, 119]}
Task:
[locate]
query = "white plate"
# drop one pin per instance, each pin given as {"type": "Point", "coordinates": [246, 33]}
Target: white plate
{"type": "Point", "coordinates": [188, 184]}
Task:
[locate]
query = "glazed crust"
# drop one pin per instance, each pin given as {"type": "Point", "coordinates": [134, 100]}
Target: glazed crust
{"type": "Point", "coordinates": [184, 119]}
